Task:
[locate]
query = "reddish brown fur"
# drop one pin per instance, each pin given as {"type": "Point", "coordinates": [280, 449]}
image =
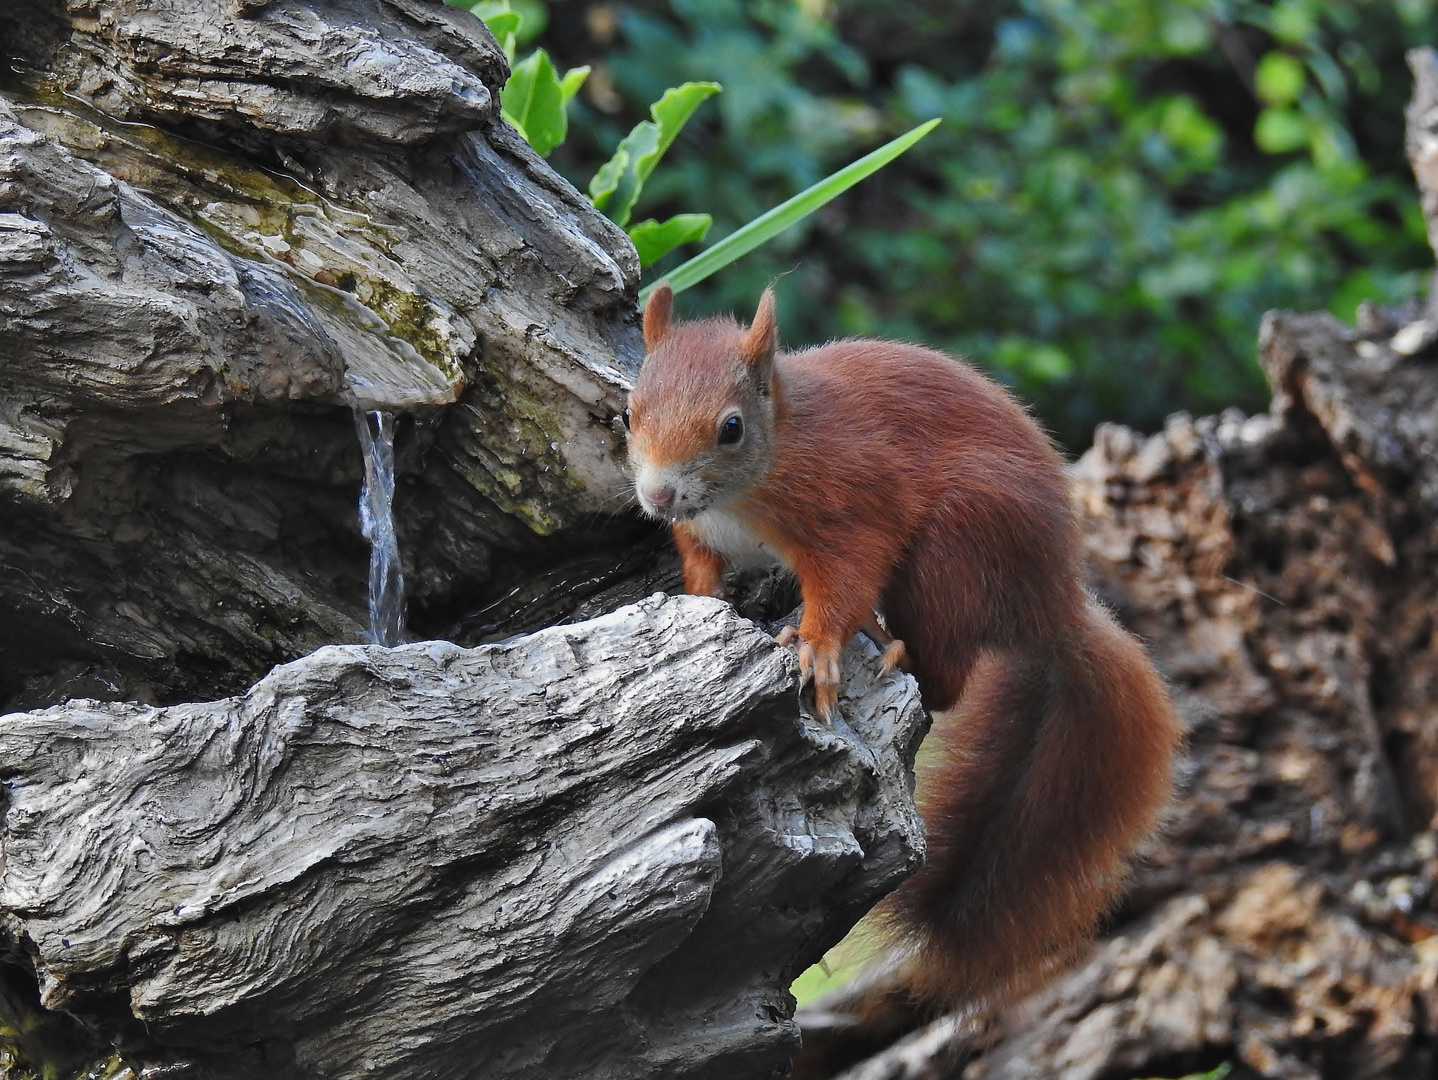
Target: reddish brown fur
{"type": "Point", "coordinates": [1045, 776]}
{"type": "Point", "coordinates": [904, 481]}
{"type": "Point", "coordinates": [703, 569]}
{"type": "Point", "coordinates": [690, 392]}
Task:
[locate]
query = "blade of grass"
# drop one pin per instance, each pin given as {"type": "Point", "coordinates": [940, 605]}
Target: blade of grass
{"type": "Point", "coordinates": [768, 225]}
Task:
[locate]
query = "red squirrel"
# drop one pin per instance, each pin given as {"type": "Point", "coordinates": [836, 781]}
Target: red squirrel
{"type": "Point", "coordinates": [891, 478]}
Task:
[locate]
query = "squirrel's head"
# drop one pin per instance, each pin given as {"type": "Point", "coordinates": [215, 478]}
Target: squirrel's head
{"type": "Point", "coordinates": [701, 417]}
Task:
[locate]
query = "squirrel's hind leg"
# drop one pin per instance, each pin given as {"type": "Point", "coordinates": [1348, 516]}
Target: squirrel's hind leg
{"type": "Point", "coordinates": [895, 654]}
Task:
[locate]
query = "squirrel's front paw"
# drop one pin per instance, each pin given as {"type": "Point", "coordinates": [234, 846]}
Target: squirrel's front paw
{"type": "Point", "coordinates": [820, 665]}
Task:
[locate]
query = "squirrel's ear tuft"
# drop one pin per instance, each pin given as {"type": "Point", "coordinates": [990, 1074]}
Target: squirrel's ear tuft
{"type": "Point", "coordinates": [657, 315]}
{"type": "Point", "coordinates": [762, 337]}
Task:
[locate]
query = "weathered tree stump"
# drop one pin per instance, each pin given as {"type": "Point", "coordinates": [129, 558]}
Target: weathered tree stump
{"type": "Point", "coordinates": [224, 227]}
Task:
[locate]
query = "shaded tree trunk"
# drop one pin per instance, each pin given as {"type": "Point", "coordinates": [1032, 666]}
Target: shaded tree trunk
{"type": "Point", "coordinates": [1284, 570]}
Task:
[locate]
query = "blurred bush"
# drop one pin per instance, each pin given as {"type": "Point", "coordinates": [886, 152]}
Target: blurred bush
{"type": "Point", "coordinates": [1119, 190]}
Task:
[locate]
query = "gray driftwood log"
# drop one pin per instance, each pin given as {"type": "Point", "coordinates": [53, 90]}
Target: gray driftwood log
{"type": "Point", "coordinates": [603, 850]}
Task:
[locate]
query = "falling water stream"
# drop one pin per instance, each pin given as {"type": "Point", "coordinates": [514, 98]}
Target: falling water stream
{"type": "Point", "coordinates": [386, 578]}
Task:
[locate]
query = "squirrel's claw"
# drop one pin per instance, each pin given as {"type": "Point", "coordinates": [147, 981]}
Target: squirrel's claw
{"type": "Point", "coordinates": [826, 681]}
{"type": "Point", "coordinates": [895, 655]}
{"type": "Point", "coordinates": [789, 636]}
{"type": "Point", "coordinates": [826, 701]}
{"type": "Point", "coordinates": [806, 663]}
{"type": "Point", "coordinates": [820, 666]}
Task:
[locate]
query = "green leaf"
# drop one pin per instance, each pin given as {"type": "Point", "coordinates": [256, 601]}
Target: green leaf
{"type": "Point", "coordinates": [502, 23]}
{"type": "Point", "coordinates": [672, 111]}
{"type": "Point", "coordinates": [1280, 130]}
{"type": "Point", "coordinates": [1032, 361]}
{"type": "Point", "coordinates": [616, 186]}
{"type": "Point", "coordinates": [1213, 1074]}
{"type": "Point", "coordinates": [768, 225]}
{"type": "Point", "coordinates": [1186, 32]}
{"type": "Point", "coordinates": [1295, 21]}
{"type": "Point", "coordinates": [533, 101]}
{"type": "Point", "coordinates": [653, 240]}
{"type": "Point", "coordinates": [1279, 79]}
{"type": "Point", "coordinates": [1189, 131]}
{"type": "Point", "coordinates": [625, 183]}
{"type": "Point", "coordinates": [572, 81]}
{"type": "Point", "coordinates": [1048, 363]}
{"type": "Point", "coordinates": [536, 18]}
{"type": "Point", "coordinates": [606, 179]}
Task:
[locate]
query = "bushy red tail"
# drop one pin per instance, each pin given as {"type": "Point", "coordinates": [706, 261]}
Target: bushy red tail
{"type": "Point", "coordinates": [1048, 771]}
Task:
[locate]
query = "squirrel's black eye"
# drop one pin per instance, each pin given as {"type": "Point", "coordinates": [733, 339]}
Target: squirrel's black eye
{"type": "Point", "coordinates": [731, 431]}
{"type": "Point", "coordinates": [625, 416]}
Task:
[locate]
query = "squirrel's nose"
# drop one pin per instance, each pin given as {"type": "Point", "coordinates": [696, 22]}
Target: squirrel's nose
{"type": "Point", "coordinates": [660, 497]}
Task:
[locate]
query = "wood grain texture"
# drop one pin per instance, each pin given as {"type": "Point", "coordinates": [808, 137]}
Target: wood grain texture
{"type": "Point", "coordinates": [601, 850]}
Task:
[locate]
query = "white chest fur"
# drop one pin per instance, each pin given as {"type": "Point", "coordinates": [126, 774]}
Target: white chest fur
{"type": "Point", "coordinates": [721, 531]}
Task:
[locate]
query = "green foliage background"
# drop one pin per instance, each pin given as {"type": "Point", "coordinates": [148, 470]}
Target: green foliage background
{"type": "Point", "coordinates": [1119, 190]}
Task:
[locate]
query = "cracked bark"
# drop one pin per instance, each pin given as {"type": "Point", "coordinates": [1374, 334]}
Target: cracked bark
{"type": "Point", "coordinates": [602, 850]}
{"type": "Point", "coordinates": [599, 850]}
